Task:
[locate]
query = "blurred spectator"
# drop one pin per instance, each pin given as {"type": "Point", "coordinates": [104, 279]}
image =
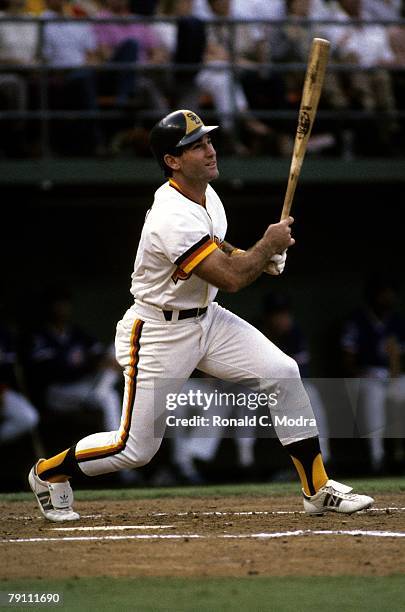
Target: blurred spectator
{"type": "Point", "coordinates": [256, 9]}
{"type": "Point", "coordinates": [36, 7]}
{"type": "Point", "coordinates": [71, 47]}
{"type": "Point", "coordinates": [19, 441]}
{"type": "Point", "coordinates": [237, 91]}
{"type": "Point", "coordinates": [297, 40]}
{"type": "Point", "coordinates": [131, 43]}
{"type": "Point", "coordinates": [372, 342]}
{"type": "Point", "coordinates": [275, 10]}
{"type": "Point", "coordinates": [397, 40]}
{"type": "Point", "coordinates": [84, 8]}
{"type": "Point", "coordinates": [18, 46]}
{"type": "Point", "coordinates": [68, 372]}
{"type": "Point", "coordinates": [184, 42]}
{"type": "Point", "coordinates": [280, 326]}
{"type": "Point", "coordinates": [127, 42]}
{"type": "Point", "coordinates": [17, 415]}
{"type": "Point", "coordinates": [381, 9]}
{"type": "Point", "coordinates": [201, 9]}
{"type": "Point", "coordinates": [367, 46]}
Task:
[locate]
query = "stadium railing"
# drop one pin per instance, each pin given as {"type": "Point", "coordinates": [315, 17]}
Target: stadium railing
{"type": "Point", "coordinates": [43, 114]}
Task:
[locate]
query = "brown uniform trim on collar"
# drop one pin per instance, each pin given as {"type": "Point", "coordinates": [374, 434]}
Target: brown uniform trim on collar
{"type": "Point", "coordinates": [175, 186]}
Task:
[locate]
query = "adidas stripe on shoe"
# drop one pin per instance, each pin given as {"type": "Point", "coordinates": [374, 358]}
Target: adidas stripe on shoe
{"type": "Point", "coordinates": [55, 499]}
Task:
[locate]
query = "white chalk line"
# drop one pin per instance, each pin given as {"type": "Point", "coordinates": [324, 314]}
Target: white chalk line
{"type": "Point", "coordinates": [207, 513]}
{"type": "Point", "coordinates": [112, 528]}
{"type": "Point", "coordinates": [194, 536]}
{"type": "Point", "coordinates": [40, 516]}
{"type": "Point", "coordinates": [148, 536]}
{"type": "Point", "coordinates": [261, 512]}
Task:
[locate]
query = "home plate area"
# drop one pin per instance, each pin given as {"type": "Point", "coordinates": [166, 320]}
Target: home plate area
{"type": "Point", "coordinates": [216, 536]}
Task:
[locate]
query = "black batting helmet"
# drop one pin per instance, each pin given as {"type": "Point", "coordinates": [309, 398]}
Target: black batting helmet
{"type": "Point", "coordinates": [176, 130]}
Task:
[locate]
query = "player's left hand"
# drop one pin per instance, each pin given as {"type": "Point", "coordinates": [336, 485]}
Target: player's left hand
{"type": "Point", "coordinates": [277, 264]}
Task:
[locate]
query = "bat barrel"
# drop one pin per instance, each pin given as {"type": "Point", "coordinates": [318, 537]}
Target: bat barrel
{"type": "Point", "coordinates": [314, 76]}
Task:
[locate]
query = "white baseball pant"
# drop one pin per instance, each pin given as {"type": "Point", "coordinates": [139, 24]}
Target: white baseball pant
{"type": "Point", "coordinates": [158, 356]}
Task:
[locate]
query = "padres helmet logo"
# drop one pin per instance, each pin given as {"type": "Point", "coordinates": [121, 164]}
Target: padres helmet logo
{"type": "Point", "coordinates": [193, 122]}
{"type": "Point", "coordinates": [193, 117]}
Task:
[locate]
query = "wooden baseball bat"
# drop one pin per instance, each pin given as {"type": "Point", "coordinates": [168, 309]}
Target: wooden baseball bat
{"type": "Point", "coordinates": [314, 76]}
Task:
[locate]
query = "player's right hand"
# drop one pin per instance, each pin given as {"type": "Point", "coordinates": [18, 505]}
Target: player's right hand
{"type": "Point", "coordinates": [277, 237]}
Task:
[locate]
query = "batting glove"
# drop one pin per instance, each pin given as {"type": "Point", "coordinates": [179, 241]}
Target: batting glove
{"type": "Point", "coordinates": [279, 261]}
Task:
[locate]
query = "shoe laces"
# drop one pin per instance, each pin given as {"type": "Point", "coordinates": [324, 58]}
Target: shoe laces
{"type": "Point", "coordinates": [348, 496]}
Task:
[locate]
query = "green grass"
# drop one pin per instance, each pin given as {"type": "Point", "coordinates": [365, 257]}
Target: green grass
{"type": "Point", "coordinates": [253, 594]}
{"type": "Point", "coordinates": [250, 593]}
{"type": "Point", "coordinates": [372, 486]}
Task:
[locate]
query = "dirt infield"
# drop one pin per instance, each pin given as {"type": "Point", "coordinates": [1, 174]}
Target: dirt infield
{"type": "Point", "coordinates": [224, 536]}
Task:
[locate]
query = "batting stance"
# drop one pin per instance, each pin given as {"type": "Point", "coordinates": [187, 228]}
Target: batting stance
{"type": "Point", "coordinates": [174, 327]}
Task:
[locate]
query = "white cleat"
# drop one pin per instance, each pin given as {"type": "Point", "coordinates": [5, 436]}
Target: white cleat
{"type": "Point", "coordinates": [336, 497]}
{"type": "Point", "coordinates": [55, 499]}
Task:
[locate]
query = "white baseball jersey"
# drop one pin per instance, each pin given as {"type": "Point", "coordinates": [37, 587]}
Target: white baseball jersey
{"type": "Point", "coordinates": [177, 235]}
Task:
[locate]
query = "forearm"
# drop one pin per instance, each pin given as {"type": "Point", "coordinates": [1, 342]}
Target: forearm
{"type": "Point", "coordinates": [249, 265]}
{"type": "Point", "coordinates": [229, 249]}
{"type": "Point", "coordinates": [232, 269]}
{"type": "Point", "coordinates": [231, 272]}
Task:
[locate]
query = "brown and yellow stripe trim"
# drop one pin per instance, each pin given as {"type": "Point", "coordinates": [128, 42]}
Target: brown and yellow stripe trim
{"type": "Point", "coordinates": [177, 187]}
{"type": "Point", "coordinates": [52, 464]}
{"type": "Point", "coordinates": [89, 454]}
{"type": "Point", "coordinates": [195, 254]}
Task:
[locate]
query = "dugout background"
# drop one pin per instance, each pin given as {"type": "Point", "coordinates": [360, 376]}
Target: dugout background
{"type": "Point", "coordinates": [86, 238]}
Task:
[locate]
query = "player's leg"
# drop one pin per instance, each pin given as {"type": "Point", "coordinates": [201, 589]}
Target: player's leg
{"type": "Point", "coordinates": [152, 369]}
{"type": "Point", "coordinates": [372, 416]}
{"type": "Point", "coordinates": [131, 446]}
{"type": "Point", "coordinates": [321, 418]}
{"type": "Point", "coordinates": [235, 350]}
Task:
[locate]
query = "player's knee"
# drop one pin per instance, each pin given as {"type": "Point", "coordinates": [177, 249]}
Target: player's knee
{"type": "Point", "coordinates": [142, 457]}
{"type": "Point", "coordinates": [290, 368]}
{"type": "Point", "coordinates": [142, 460]}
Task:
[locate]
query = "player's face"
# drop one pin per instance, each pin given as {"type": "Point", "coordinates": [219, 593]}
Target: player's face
{"type": "Point", "coordinates": [199, 161]}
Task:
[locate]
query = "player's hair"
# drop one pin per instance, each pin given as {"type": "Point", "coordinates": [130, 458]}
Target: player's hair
{"type": "Point", "coordinates": [176, 152]}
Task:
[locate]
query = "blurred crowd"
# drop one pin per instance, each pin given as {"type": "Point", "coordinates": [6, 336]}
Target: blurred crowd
{"type": "Point", "coordinates": [58, 383]}
{"type": "Point", "coordinates": [188, 54]}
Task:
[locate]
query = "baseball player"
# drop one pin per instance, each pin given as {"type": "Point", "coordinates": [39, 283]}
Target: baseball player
{"type": "Point", "coordinates": [18, 416]}
{"type": "Point", "coordinates": [175, 326]}
{"type": "Point", "coordinates": [68, 370]}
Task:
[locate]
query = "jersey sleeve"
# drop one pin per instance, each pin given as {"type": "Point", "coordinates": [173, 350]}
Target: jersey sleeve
{"type": "Point", "coordinates": [196, 253]}
{"type": "Point", "coordinates": [185, 239]}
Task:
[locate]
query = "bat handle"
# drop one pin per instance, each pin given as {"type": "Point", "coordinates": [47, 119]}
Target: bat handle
{"type": "Point", "coordinates": [289, 195]}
